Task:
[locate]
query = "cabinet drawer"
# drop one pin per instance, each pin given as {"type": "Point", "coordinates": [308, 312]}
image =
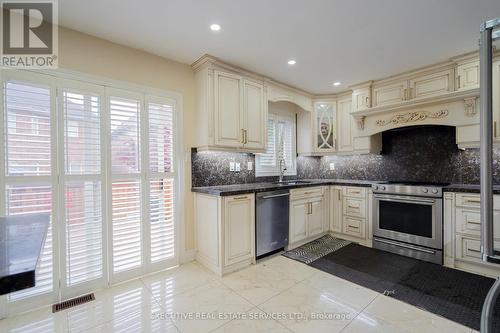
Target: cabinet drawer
{"type": "Point", "coordinates": [355, 207]}
{"type": "Point", "coordinates": [307, 192]}
{"type": "Point", "coordinates": [354, 227]}
{"type": "Point", "coordinates": [468, 249]}
{"type": "Point", "coordinates": [432, 84]}
{"type": "Point", "coordinates": [468, 221]}
{"type": "Point", "coordinates": [354, 191]}
{"type": "Point", "coordinates": [473, 200]}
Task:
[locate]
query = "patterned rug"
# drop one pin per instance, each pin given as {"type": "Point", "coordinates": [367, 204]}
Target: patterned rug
{"type": "Point", "coordinates": [316, 249]}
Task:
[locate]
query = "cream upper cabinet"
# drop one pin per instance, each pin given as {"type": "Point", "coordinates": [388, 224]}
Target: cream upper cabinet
{"type": "Point", "coordinates": [390, 93]}
{"type": "Point", "coordinates": [428, 85]}
{"type": "Point", "coordinates": [361, 99]}
{"type": "Point", "coordinates": [345, 125]}
{"type": "Point", "coordinates": [467, 75]}
{"type": "Point", "coordinates": [255, 114]}
{"type": "Point", "coordinates": [325, 126]}
{"type": "Point", "coordinates": [231, 109]}
{"type": "Point", "coordinates": [228, 110]}
{"type": "Point", "coordinates": [239, 222]}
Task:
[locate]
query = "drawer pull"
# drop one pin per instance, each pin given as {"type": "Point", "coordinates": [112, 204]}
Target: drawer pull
{"type": "Point", "coordinates": [353, 226]}
{"type": "Point", "coordinates": [473, 200]}
{"type": "Point", "coordinates": [474, 222]}
{"type": "Point", "coordinates": [473, 250]}
{"type": "Point", "coordinates": [240, 198]}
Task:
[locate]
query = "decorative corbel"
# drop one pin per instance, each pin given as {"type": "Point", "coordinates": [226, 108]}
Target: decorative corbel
{"type": "Point", "coordinates": [360, 122]}
{"type": "Point", "coordinates": [470, 106]}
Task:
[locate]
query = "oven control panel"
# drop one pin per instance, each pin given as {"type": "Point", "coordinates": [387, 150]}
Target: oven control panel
{"type": "Point", "coordinates": [407, 189]}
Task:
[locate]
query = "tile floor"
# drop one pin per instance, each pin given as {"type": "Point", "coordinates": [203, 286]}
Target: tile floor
{"type": "Point", "coordinates": [276, 295]}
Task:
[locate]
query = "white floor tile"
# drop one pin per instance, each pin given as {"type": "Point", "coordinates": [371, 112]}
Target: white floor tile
{"type": "Point", "coordinates": [302, 305]}
{"type": "Point", "coordinates": [410, 318]}
{"type": "Point", "coordinates": [259, 283]}
{"type": "Point", "coordinates": [289, 267]}
{"type": "Point", "coordinates": [38, 321]}
{"type": "Point", "coordinates": [254, 321]}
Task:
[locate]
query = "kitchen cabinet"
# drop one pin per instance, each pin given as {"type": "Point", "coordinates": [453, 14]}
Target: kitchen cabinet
{"type": "Point", "coordinates": [431, 84]}
{"type": "Point", "coordinates": [467, 75]}
{"type": "Point", "coordinates": [346, 125]}
{"type": "Point", "coordinates": [462, 230]}
{"type": "Point", "coordinates": [361, 97]}
{"type": "Point", "coordinates": [325, 127]}
{"type": "Point", "coordinates": [390, 93]}
{"type": "Point", "coordinates": [308, 215]}
{"type": "Point", "coordinates": [226, 231]}
{"type": "Point", "coordinates": [231, 112]}
{"type": "Point", "coordinates": [349, 213]}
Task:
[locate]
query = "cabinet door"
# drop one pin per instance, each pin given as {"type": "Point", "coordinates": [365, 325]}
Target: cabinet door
{"type": "Point", "coordinates": [325, 126]}
{"type": "Point", "coordinates": [239, 228]}
{"type": "Point", "coordinates": [390, 93]}
{"type": "Point", "coordinates": [254, 108]}
{"type": "Point", "coordinates": [432, 84]}
{"type": "Point", "coordinates": [298, 220]}
{"type": "Point", "coordinates": [468, 75]}
{"type": "Point", "coordinates": [228, 109]}
{"type": "Point", "coordinates": [316, 218]}
{"type": "Point", "coordinates": [336, 209]}
{"type": "Point", "coordinates": [496, 101]}
{"type": "Point", "coordinates": [361, 99]}
{"type": "Point", "coordinates": [345, 125]}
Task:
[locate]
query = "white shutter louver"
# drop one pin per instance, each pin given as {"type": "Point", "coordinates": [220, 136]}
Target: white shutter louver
{"type": "Point", "coordinates": [28, 129]}
{"type": "Point", "coordinates": [125, 155]}
{"type": "Point", "coordinates": [83, 231]}
{"type": "Point", "coordinates": [161, 144]}
{"type": "Point", "coordinates": [161, 210]}
{"type": "Point", "coordinates": [82, 133]}
{"type": "Point", "coordinates": [126, 220]}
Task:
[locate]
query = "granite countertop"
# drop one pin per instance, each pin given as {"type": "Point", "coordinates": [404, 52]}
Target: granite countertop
{"type": "Point", "coordinates": [225, 190]}
{"type": "Point", "coordinates": [469, 188]}
{"type": "Point", "coordinates": [21, 242]}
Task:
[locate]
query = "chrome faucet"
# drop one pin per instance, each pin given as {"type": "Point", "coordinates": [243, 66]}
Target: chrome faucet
{"type": "Point", "coordinates": [282, 169]}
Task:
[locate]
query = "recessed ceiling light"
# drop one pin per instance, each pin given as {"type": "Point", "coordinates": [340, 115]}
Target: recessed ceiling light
{"type": "Point", "coordinates": [214, 27]}
{"type": "Point", "coordinates": [336, 83]}
{"type": "Point", "coordinates": [291, 62]}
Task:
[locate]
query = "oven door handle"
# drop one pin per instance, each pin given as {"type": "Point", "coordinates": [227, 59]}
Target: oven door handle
{"type": "Point", "coordinates": [397, 198]}
{"type": "Point", "coordinates": [407, 246]}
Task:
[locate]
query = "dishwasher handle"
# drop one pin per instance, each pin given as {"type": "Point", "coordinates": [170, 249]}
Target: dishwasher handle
{"type": "Point", "coordinates": [275, 196]}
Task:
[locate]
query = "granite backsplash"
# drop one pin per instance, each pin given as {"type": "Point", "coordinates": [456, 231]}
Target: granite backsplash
{"type": "Point", "coordinates": [422, 153]}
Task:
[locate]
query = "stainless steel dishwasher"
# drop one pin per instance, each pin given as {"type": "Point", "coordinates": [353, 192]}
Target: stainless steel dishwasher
{"type": "Point", "coordinates": [271, 224]}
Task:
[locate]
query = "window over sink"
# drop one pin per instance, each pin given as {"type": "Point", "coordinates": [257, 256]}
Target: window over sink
{"type": "Point", "coordinates": [281, 147]}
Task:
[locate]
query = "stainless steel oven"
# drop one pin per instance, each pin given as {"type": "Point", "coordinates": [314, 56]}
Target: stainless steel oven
{"type": "Point", "coordinates": [408, 220]}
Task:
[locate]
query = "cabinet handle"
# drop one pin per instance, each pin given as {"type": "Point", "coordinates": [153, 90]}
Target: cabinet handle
{"type": "Point", "coordinates": [240, 198]}
{"type": "Point", "coordinates": [478, 200]}
{"type": "Point", "coordinates": [458, 79]}
{"type": "Point", "coordinates": [338, 193]}
{"type": "Point", "coordinates": [351, 206]}
{"type": "Point", "coordinates": [366, 102]}
{"type": "Point", "coordinates": [242, 135]}
{"type": "Point", "coordinates": [495, 129]}
{"type": "Point", "coordinates": [405, 95]}
{"type": "Point", "coordinates": [245, 136]}
{"type": "Point", "coordinates": [473, 250]}
{"type": "Point", "coordinates": [353, 226]}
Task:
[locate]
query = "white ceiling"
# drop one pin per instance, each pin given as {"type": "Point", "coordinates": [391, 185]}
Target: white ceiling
{"type": "Point", "coordinates": [332, 40]}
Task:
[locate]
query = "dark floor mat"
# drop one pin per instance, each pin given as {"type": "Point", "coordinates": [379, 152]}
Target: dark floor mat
{"type": "Point", "coordinates": [450, 293]}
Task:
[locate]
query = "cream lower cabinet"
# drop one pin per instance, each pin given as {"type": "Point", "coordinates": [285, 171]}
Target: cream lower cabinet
{"type": "Point", "coordinates": [225, 231]}
{"type": "Point", "coordinates": [308, 215]}
{"type": "Point", "coordinates": [462, 233]}
{"type": "Point", "coordinates": [350, 215]}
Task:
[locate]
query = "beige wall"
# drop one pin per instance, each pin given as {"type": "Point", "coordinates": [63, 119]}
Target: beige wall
{"type": "Point", "coordinates": [95, 56]}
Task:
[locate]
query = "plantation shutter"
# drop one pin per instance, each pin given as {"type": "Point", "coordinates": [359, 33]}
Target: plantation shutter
{"type": "Point", "coordinates": [161, 178]}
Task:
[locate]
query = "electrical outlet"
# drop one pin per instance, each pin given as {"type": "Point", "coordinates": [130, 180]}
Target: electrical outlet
{"type": "Point", "coordinates": [231, 166]}
{"type": "Point", "coordinates": [238, 168]}
{"type": "Point", "coordinates": [249, 166]}
{"type": "Point", "coordinates": [332, 166]}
